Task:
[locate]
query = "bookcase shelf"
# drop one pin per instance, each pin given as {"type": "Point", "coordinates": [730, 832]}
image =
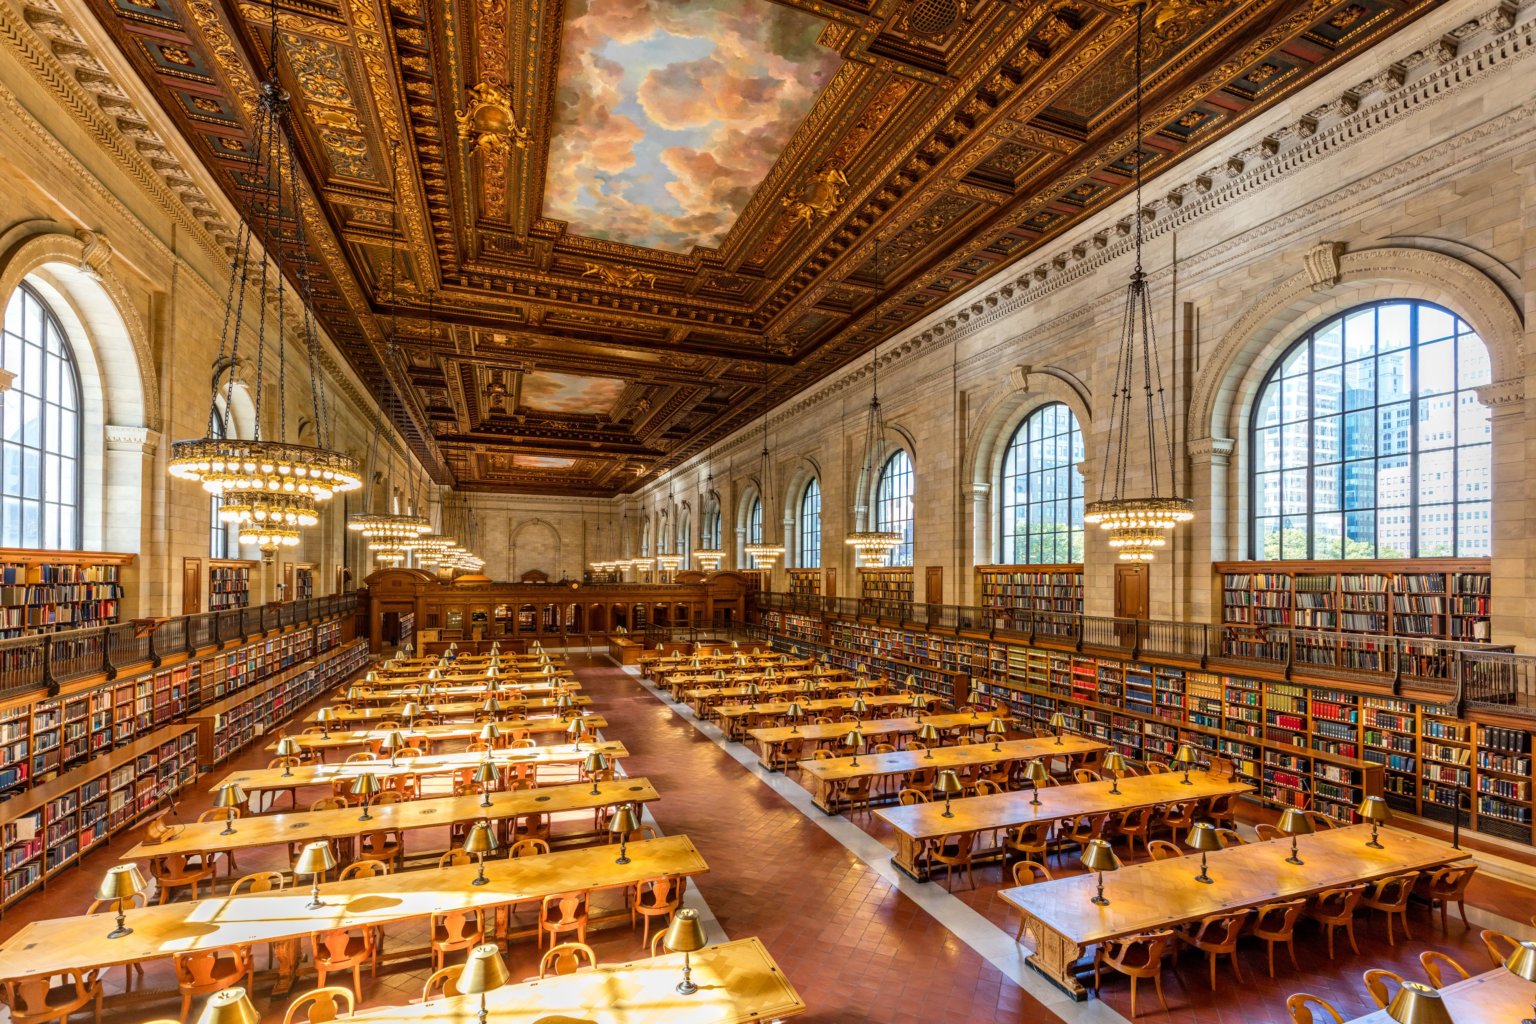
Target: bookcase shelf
{"type": "Point", "coordinates": [886, 584]}
{"type": "Point", "coordinates": [229, 584]}
{"type": "Point", "coordinates": [48, 591]}
{"type": "Point", "coordinates": [1004, 589]}
{"type": "Point", "coordinates": [804, 581]}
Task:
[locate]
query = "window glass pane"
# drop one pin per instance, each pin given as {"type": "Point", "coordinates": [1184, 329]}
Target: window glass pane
{"type": "Point", "coordinates": [1041, 491]}
{"type": "Point", "coordinates": [893, 504]}
{"type": "Point", "coordinates": [1435, 324]}
{"type": "Point", "coordinates": [1396, 326]}
{"type": "Point", "coordinates": [1473, 369]}
{"type": "Point", "coordinates": [1473, 538]}
{"type": "Point", "coordinates": [1437, 531]}
{"type": "Point", "coordinates": [1360, 535]}
{"type": "Point", "coordinates": [39, 428]}
{"type": "Point", "coordinates": [1437, 477]}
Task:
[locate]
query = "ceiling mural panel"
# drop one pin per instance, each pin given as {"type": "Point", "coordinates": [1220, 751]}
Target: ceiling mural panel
{"type": "Point", "coordinates": [625, 227]}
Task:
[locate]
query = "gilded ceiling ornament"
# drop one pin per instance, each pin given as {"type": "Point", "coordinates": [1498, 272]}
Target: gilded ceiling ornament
{"type": "Point", "coordinates": [820, 196]}
{"type": "Point", "coordinates": [489, 120]}
{"type": "Point", "coordinates": [1165, 15]}
{"type": "Point", "coordinates": [630, 277]}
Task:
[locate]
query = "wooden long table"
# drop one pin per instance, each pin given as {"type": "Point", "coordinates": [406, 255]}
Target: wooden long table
{"type": "Point", "coordinates": [58, 944]}
{"type": "Point", "coordinates": [435, 733]}
{"type": "Point", "coordinates": [731, 716]}
{"type": "Point", "coordinates": [704, 701]}
{"type": "Point", "coordinates": [738, 983]}
{"type": "Point", "coordinates": [831, 774]}
{"type": "Point", "coordinates": [505, 688]}
{"type": "Point", "coordinates": [770, 737]}
{"type": "Point", "coordinates": [450, 709]}
{"type": "Point", "coordinates": [254, 780]}
{"type": "Point", "coordinates": [919, 824]}
{"type": "Point", "coordinates": [434, 812]}
{"type": "Point", "coordinates": [1161, 894]}
{"type": "Point", "coordinates": [1497, 997]}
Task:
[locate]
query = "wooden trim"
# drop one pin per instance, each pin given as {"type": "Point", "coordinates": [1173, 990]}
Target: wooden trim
{"type": "Point", "coordinates": [1358, 565]}
{"type": "Point", "coordinates": [34, 556]}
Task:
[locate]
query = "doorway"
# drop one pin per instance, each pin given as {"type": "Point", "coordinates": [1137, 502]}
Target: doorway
{"type": "Point", "coordinates": [1132, 598]}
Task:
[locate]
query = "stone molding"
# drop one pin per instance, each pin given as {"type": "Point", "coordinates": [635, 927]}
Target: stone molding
{"type": "Point", "coordinates": [1503, 396]}
{"type": "Point", "coordinates": [1214, 451]}
{"type": "Point", "coordinates": [131, 439]}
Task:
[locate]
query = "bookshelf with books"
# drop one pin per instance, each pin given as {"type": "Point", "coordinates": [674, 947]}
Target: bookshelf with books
{"type": "Point", "coordinates": [229, 584]}
{"type": "Point", "coordinates": [303, 583]}
{"type": "Point", "coordinates": [886, 584]}
{"type": "Point", "coordinates": [804, 581]}
{"type": "Point", "coordinates": [1002, 589]}
{"type": "Point", "coordinates": [51, 591]}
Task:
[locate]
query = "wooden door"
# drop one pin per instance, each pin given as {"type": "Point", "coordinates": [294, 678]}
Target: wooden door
{"type": "Point", "coordinates": [933, 588]}
{"type": "Point", "coordinates": [287, 594]}
{"type": "Point", "coordinates": [191, 586]}
{"type": "Point", "coordinates": [1132, 591]}
{"type": "Point", "coordinates": [829, 582]}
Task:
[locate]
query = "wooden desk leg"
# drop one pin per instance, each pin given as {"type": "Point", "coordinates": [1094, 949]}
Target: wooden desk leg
{"type": "Point", "coordinates": [765, 755]}
{"type": "Point", "coordinates": [826, 796]}
{"type": "Point", "coordinates": [1055, 956]}
{"type": "Point", "coordinates": [909, 856]}
{"type": "Point", "coordinates": [286, 953]}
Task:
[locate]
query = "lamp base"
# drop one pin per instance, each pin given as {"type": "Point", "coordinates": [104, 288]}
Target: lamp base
{"type": "Point", "coordinates": [1100, 901]}
{"type": "Point", "coordinates": [119, 932]}
{"type": "Point", "coordinates": [1203, 877]}
{"type": "Point", "coordinates": [1294, 860]}
{"type": "Point", "coordinates": [482, 880]}
{"type": "Point", "coordinates": [1375, 845]}
{"type": "Point", "coordinates": [227, 830]}
{"type": "Point", "coordinates": [686, 988]}
{"type": "Point", "coordinates": [621, 859]}
{"type": "Point", "coordinates": [314, 904]}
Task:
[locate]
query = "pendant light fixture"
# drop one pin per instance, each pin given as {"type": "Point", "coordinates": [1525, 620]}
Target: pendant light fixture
{"type": "Point", "coordinates": [269, 487]}
{"type": "Point", "coordinates": [430, 546]}
{"type": "Point", "coordinates": [874, 547]}
{"type": "Point", "coordinates": [1138, 526]}
{"type": "Point", "coordinates": [762, 553]}
{"type": "Point", "coordinates": [710, 558]}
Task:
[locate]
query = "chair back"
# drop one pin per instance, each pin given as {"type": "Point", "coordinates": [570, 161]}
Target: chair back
{"type": "Point", "coordinates": [1162, 849]}
{"type": "Point", "coordinates": [1230, 838]}
{"type": "Point", "coordinates": [568, 958]}
{"type": "Point", "coordinates": [458, 925]}
{"type": "Point", "coordinates": [260, 881]}
{"type": "Point", "coordinates": [1278, 920]}
{"type": "Point", "coordinates": [528, 848]}
{"type": "Point", "coordinates": [1300, 1008]}
{"type": "Point", "coordinates": [1432, 960]}
{"type": "Point", "coordinates": [333, 946]}
{"type": "Point", "coordinates": [570, 907]}
{"type": "Point", "coordinates": [1338, 904]}
{"type": "Point", "coordinates": [1498, 945]}
{"type": "Point", "coordinates": [453, 858]}
{"type": "Point", "coordinates": [1027, 872]}
{"type": "Point", "coordinates": [320, 1005]}
{"type": "Point", "coordinates": [1376, 981]}
{"type": "Point", "coordinates": [1394, 892]}
{"type": "Point", "coordinates": [444, 983]}
{"type": "Point", "coordinates": [1450, 883]}
{"type": "Point", "coordinates": [1219, 932]}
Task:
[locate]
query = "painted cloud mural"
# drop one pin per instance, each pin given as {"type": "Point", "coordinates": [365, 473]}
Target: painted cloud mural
{"type": "Point", "coordinates": [669, 113]}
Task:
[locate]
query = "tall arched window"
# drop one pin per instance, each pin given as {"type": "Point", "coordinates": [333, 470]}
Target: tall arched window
{"type": "Point", "coordinates": [755, 521]}
{"type": "Point", "coordinates": [41, 418]}
{"type": "Point", "coordinates": [711, 525]}
{"type": "Point", "coordinates": [685, 534]}
{"type": "Point", "coordinates": [809, 533]}
{"type": "Point", "coordinates": [1042, 491]}
{"type": "Point", "coordinates": [1369, 440]}
{"type": "Point", "coordinates": [218, 529]}
{"type": "Point", "coordinates": [893, 504]}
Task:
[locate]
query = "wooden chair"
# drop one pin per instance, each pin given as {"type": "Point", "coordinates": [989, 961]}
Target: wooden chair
{"type": "Point", "coordinates": [1135, 825]}
{"type": "Point", "coordinates": [207, 971]}
{"type": "Point", "coordinates": [1177, 819]}
{"type": "Point", "coordinates": [857, 793]}
{"type": "Point", "coordinates": [1390, 896]}
{"type": "Point", "coordinates": [387, 796]}
{"type": "Point", "coordinates": [329, 803]}
{"type": "Point", "coordinates": [1321, 822]}
{"type": "Point", "coordinates": [1216, 936]}
{"type": "Point", "coordinates": [386, 845]}
{"type": "Point", "coordinates": [1276, 923]}
{"type": "Point", "coordinates": [658, 944]}
{"type": "Point", "coordinates": [1432, 960]}
{"type": "Point", "coordinates": [1219, 810]}
{"type": "Point", "coordinates": [1498, 945]}
{"type": "Point", "coordinates": [1267, 832]}
{"type": "Point", "coordinates": [37, 1000]}
{"type": "Point", "coordinates": [1085, 775]}
{"type": "Point", "coordinates": [454, 930]}
{"type": "Point", "coordinates": [528, 848]}
{"type": "Point", "coordinates": [565, 912]}
{"type": "Point", "coordinates": [340, 949]}
{"type": "Point", "coordinates": [292, 791]}
{"type": "Point", "coordinates": [1444, 886]}
{"type": "Point", "coordinates": [986, 787]}
{"type": "Point", "coordinates": [953, 852]}
{"type": "Point", "coordinates": [1137, 957]}
{"type": "Point", "coordinates": [320, 1005]}
{"type": "Point", "coordinates": [910, 797]}
{"type": "Point", "coordinates": [1300, 1008]}
{"type": "Point", "coordinates": [363, 869]}
{"type": "Point", "coordinates": [1229, 838]}
{"type": "Point", "coordinates": [1376, 980]}
{"type": "Point", "coordinates": [442, 983]}
{"type": "Point", "coordinates": [110, 906]}
{"type": "Point", "coordinates": [453, 859]}
{"type": "Point", "coordinates": [1032, 840]}
{"type": "Point", "coordinates": [1028, 872]}
{"type": "Point", "coordinates": [657, 897]}
{"type": "Point", "coordinates": [1157, 767]}
{"type": "Point", "coordinates": [181, 871]}
{"type": "Point", "coordinates": [1162, 849]}
{"type": "Point", "coordinates": [570, 957]}
{"type": "Point", "coordinates": [1079, 830]}
{"type": "Point", "coordinates": [361, 755]}
{"type": "Point", "coordinates": [1335, 908]}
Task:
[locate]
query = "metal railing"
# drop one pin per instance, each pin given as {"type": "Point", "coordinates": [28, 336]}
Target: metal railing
{"type": "Point", "coordinates": [1426, 665]}
{"type": "Point", "coordinates": [1500, 682]}
{"type": "Point", "coordinates": [34, 662]}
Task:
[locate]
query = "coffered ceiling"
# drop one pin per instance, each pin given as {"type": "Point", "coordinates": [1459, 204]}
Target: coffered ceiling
{"type": "Point", "coordinates": [625, 226]}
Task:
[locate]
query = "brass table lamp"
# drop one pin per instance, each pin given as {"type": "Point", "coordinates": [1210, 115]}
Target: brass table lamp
{"type": "Point", "coordinates": [997, 729]}
{"type": "Point", "coordinates": [576, 731]}
{"type": "Point", "coordinates": [314, 860]}
{"type": "Point", "coordinates": [484, 971]}
{"type": "Point", "coordinates": [918, 702]}
{"type": "Point", "coordinates": [623, 822]}
{"type": "Point", "coordinates": [1099, 857]}
{"type": "Point", "coordinates": [1186, 758]}
{"type": "Point", "coordinates": [325, 716]}
{"type": "Point", "coordinates": [1374, 809]}
{"type": "Point", "coordinates": [1522, 964]}
{"type": "Point", "coordinates": [948, 783]}
{"type": "Point", "coordinates": [288, 747]}
{"type": "Point", "coordinates": [1036, 773]}
{"type": "Point", "coordinates": [1058, 722]}
{"type": "Point", "coordinates": [851, 739]}
{"type": "Point", "coordinates": [492, 706]}
{"type": "Point", "coordinates": [365, 786]}
{"type": "Point", "coordinates": [409, 712]}
{"type": "Point", "coordinates": [121, 884]}
{"type": "Point", "coordinates": [929, 734]}
{"type": "Point", "coordinates": [395, 741]}
{"type": "Point", "coordinates": [1417, 1003]}
{"type": "Point", "coordinates": [480, 841]}
{"type": "Point", "coordinates": [1202, 836]}
{"type": "Point", "coordinates": [487, 776]}
{"type": "Point", "coordinates": [230, 797]}
{"type": "Point", "coordinates": [595, 762]}
{"type": "Point", "coordinates": [685, 935]}
{"type": "Point", "coordinates": [1115, 765]}
{"type": "Point", "coordinates": [794, 713]}
{"type": "Point", "coordinates": [1294, 822]}
{"type": "Point", "coordinates": [564, 703]}
{"type": "Point", "coordinates": [860, 707]}
{"type": "Point", "coordinates": [490, 732]}
{"type": "Point", "coordinates": [229, 1006]}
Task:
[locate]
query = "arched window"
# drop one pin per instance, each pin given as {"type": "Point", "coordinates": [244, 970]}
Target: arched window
{"type": "Point", "coordinates": [40, 442]}
{"type": "Point", "coordinates": [218, 530]}
{"type": "Point", "coordinates": [684, 534]}
{"type": "Point", "coordinates": [893, 504]}
{"type": "Point", "coordinates": [755, 521]}
{"type": "Point", "coordinates": [1042, 491]}
{"type": "Point", "coordinates": [809, 533]}
{"type": "Point", "coordinates": [711, 526]}
{"type": "Point", "coordinates": [1369, 440]}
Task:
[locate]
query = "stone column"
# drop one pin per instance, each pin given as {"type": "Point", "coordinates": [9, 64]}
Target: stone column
{"type": "Point", "coordinates": [981, 540]}
{"type": "Point", "coordinates": [129, 521]}
{"type": "Point", "coordinates": [1210, 459]}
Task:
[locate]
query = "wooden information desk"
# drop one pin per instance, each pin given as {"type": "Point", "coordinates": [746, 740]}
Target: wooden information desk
{"type": "Point", "coordinates": [1497, 997]}
{"type": "Point", "coordinates": [739, 983]}
{"type": "Point", "coordinates": [918, 824]}
{"type": "Point", "coordinates": [733, 716]}
{"type": "Point", "coordinates": [874, 730]}
{"type": "Point", "coordinates": [434, 812]}
{"type": "Point", "coordinates": [1161, 894]}
{"type": "Point", "coordinates": [283, 919]}
{"type": "Point", "coordinates": [254, 780]}
{"type": "Point", "coordinates": [436, 733]}
{"type": "Point", "coordinates": [830, 775]}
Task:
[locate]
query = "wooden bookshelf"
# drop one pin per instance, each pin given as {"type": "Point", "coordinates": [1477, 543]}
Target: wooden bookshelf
{"type": "Point", "coordinates": [229, 584]}
{"type": "Point", "coordinates": [49, 591]}
{"type": "Point", "coordinates": [886, 584]}
{"type": "Point", "coordinates": [299, 581]}
{"type": "Point", "coordinates": [804, 581]}
{"type": "Point", "coordinates": [1005, 589]}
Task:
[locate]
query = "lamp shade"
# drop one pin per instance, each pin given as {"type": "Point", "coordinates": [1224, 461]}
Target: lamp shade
{"type": "Point", "coordinates": [997, 727]}
{"type": "Point", "coordinates": [325, 714]}
{"type": "Point", "coordinates": [859, 706]}
{"type": "Point", "coordinates": [927, 732]}
{"type": "Point", "coordinates": [685, 934]}
{"type": "Point", "coordinates": [918, 700]}
{"type": "Point", "coordinates": [486, 773]}
{"type": "Point", "coordinates": [365, 784]}
{"type": "Point", "coordinates": [484, 971]}
{"type": "Point", "coordinates": [491, 706]}
{"type": "Point", "coordinates": [624, 820]}
{"type": "Point", "coordinates": [489, 732]}
{"type": "Point", "coordinates": [1294, 822]}
{"type": "Point", "coordinates": [229, 795]}
{"type": "Point", "coordinates": [1098, 855]}
{"type": "Point", "coordinates": [1058, 721]}
{"type": "Point", "coordinates": [853, 737]}
{"type": "Point", "coordinates": [121, 882]}
{"type": "Point", "coordinates": [948, 783]}
{"type": "Point", "coordinates": [411, 709]}
{"type": "Point", "coordinates": [794, 712]}
{"type": "Point", "coordinates": [596, 762]}
{"type": "Point", "coordinates": [1114, 761]}
{"type": "Point", "coordinates": [314, 858]}
{"type": "Point", "coordinates": [1202, 836]}
{"type": "Point", "coordinates": [229, 1006]}
{"type": "Point", "coordinates": [1417, 1003]}
{"type": "Point", "coordinates": [289, 747]}
{"type": "Point", "coordinates": [395, 740]}
{"type": "Point", "coordinates": [481, 840]}
{"type": "Point", "coordinates": [1522, 962]}
{"type": "Point", "coordinates": [1036, 772]}
{"type": "Point", "coordinates": [1186, 755]}
{"type": "Point", "coordinates": [1375, 810]}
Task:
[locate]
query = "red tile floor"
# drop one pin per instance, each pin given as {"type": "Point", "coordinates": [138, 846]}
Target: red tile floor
{"type": "Point", "coordinates": [855, 946]}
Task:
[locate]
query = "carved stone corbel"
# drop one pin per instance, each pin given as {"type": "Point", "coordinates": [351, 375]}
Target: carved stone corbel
{"type": "Point", "coordinates": [1322, 263]}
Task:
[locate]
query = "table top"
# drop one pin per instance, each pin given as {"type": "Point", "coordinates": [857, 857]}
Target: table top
{"type": "Point", "coordinates": [341, 737]}
{"type": "Point", "coordinates": [738, 983]}
{"type": "Point", "coordinates": [473, 689]}
{"type": "Point", "coordinates": [711, 692]}
{"type": "Point", "coordinates": [427, 707]}
{"type": "Point", "coordinates": [294, 826]}
{"type": "Point", "coordinates": [1157, 894]}
{"type": "Point", "coordinates": [839, 768]}
{"type": "Point", "coordinates": [778, 707]}
{"type": "Point", "coordinates": [1004, 810]}
{"type": "Point", "coordinates": [872, 727]}
{"type": "Point", "coordinates": [63, 943]}
{"type": "Point", "coordinates": [508, 704]}
{"type": "Point", "coordinates": [1496, 997]}
{"type": "Point", "coordinates": [253, 779]}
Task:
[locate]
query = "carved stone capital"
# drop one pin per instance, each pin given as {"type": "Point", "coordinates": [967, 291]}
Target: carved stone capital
{"type": "Point", "coordinates": [1211, 451]}
{"type": "Point", "coordinates": [980, 492]}
{"type": "Point", "coordinates": [140, 440]}
{"type": "Point", "coordinates": [1503, 396]}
